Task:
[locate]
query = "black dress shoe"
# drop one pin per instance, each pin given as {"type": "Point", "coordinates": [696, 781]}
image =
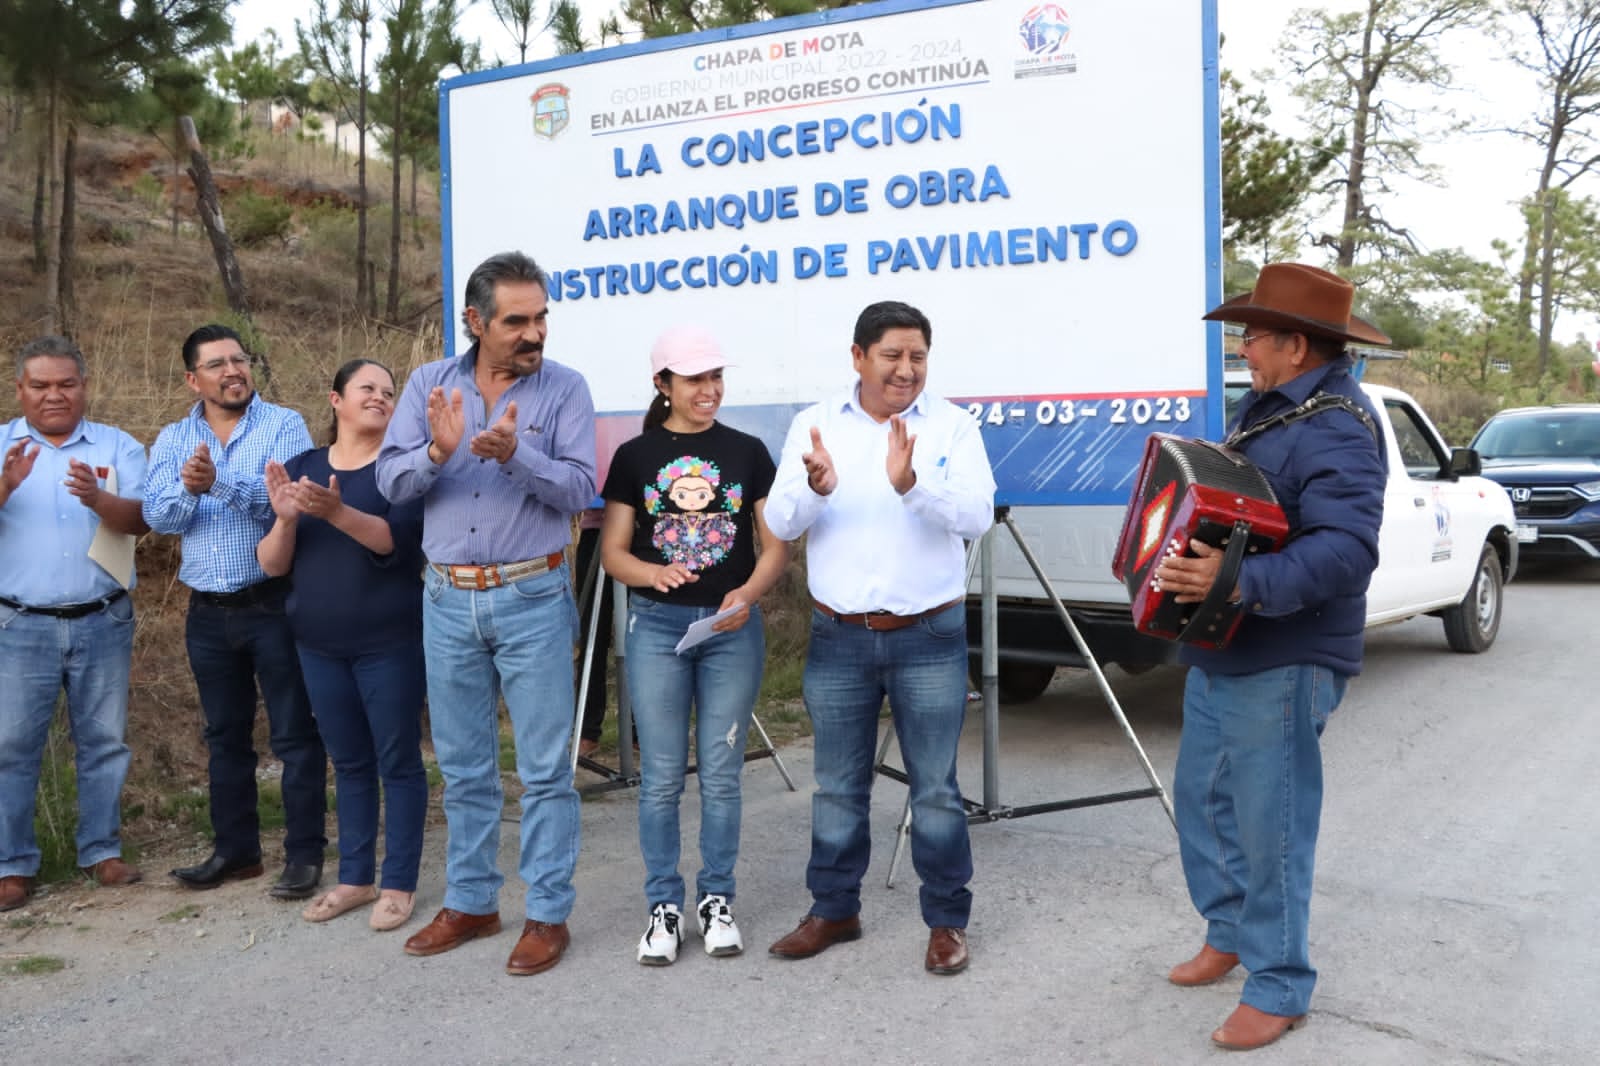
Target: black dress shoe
{"type": "Point", "coordinates": [216, 870]}
{"type": "Point", "coordinates": [297, 881]}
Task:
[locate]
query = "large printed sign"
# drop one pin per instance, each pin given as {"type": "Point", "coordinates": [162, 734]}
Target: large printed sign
{"type": "Point", "coordinates": [1040, 179]}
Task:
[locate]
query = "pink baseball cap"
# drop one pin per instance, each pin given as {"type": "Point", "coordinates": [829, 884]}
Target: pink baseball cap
{"type": "Point", "coordinates": [686, 350]}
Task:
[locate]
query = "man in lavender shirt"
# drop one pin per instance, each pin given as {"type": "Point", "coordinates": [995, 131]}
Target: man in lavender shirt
{"type": "Point", "coordinates": [499, 443]}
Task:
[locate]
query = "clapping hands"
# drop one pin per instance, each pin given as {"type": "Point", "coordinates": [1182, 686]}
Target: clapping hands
{"type": "Point", "coordinates": [499, 441]}
{"type": "Point", "coordinates": [291, 499]}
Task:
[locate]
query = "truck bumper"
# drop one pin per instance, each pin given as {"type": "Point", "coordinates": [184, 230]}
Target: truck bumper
{"type": "Point", "coordinates": [1032, 632]}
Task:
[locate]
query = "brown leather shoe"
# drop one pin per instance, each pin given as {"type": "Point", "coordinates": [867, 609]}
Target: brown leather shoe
{"type": "Point", "coordinates": [947, 951]}
{"type": "Point", "coordinates": [450, 929]}
{"type": "Point", "coordinates": [1208, 967]}
{"type": "Point", "coordinates": [14, 891]}
{"type": "Point", "coordinates": [540, 948]}
{"type": "Point", "coordinates": [113, 871]}
{"type": "Point", "coordinates": [814, 935]}
{"type": "Point", "coordinates": [1247, 1028]}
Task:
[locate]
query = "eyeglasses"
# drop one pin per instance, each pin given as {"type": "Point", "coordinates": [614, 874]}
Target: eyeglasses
{"type": "Point", "coordinates": [212, 366]}
{"type": "Point", "coordinates": [1247, 339]}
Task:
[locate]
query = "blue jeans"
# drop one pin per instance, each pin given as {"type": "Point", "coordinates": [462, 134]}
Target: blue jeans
{"type": "Point", "coordinates": [89, 657]}
{"type": "Point", "coordinates": [369, 710]}
{"type": "Point", "coordinates": [517, 639]}
{"type": "Point", "coordinates": [1248, 797]}
{"type": "Point", "coordinates": [922, 669]}
{"type": "Point", "coordinates": [231, 649]}
{"type": "Point", "coordinates": [720, 679]}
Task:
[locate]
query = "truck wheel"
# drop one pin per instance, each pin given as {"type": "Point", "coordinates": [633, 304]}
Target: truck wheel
{"type": "Point", "coordinates": [1471, 625]}
{"type": "Point", "coordinates": [1024, 682]}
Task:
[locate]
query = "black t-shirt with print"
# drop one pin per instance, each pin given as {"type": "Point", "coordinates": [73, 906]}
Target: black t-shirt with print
{"type": "Point", "coordinates": [693, 497]}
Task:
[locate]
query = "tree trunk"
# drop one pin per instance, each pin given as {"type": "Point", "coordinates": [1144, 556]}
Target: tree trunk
{"type": "Point", "coordinates": [392, 304]}
{"type": "Point", "coordinates": [363, 294]}
{"type": "Point", "coordinates": [52, 216]}
{"type": "Point", "coordinates": [69, 229]}
{"type": "Point", "coordinates": [177, 184]}
{"type": "Point", "coordinates": [1531, 254]}
{"type": "Point", "coordinates": [1354, 203]}
{"type": "Point", "coordinates": [38, 208]}
{"type": "Point", "coordinates": [1547, 270]}
{"type": "Point", "coordinates": [177, 177]}
{"type": "Point", "coordinates": [217, 230]}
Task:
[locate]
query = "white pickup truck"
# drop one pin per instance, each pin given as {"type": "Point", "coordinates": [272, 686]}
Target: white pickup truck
{"type": "Point", "coordinates": [1447, 547]}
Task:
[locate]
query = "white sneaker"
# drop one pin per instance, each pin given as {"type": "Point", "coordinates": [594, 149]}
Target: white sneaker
{"type": "Point", "coordinates": [717, 927]}
{"type": "Point", "coordinates": [659, 945]}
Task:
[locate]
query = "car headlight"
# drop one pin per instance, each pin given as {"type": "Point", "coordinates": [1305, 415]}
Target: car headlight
{"type": "Point", "coordinates": [1591, 489]}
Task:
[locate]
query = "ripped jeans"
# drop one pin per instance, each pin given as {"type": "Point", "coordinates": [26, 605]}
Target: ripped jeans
{"type": "Point", "coordinates": [720, 679]}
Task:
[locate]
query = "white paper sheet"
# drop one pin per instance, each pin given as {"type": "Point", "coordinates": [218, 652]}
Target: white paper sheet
{"type": "Point", "coordinates": [701, 631]}
{"type": "Point", "coordinates": [113, 552]}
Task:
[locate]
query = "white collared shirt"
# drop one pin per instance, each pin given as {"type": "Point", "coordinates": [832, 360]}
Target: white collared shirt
{"type": "Point", "coordinates": [871, 549]}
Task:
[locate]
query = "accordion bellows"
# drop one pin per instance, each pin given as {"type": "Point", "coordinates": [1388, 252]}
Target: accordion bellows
{"type": "Point", "coordinates": [1193, 490]}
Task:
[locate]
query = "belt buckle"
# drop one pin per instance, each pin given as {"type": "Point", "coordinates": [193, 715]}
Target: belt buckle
{"type": "Point", "coordinates": [467, 577]}
{"type": "Point", "coordinates": [868, 616]}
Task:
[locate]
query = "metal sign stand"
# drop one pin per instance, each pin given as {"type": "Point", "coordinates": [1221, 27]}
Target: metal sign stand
{"type": "Point", "coordinates": [992, 809]}
{"type": "Point", "coordinates": [626, 773]}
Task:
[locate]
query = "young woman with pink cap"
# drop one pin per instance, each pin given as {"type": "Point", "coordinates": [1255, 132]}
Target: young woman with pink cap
{"type": "Point", "coordinates": [684, 516]}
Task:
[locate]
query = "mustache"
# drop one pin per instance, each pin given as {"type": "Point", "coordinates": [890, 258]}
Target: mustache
{"type": "Point", "coordinates": [527, 348]}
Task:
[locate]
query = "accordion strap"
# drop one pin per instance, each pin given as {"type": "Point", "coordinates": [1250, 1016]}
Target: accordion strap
{"type": "Point", "coordinates": [1210, 608]}
{"type": "Point", "coordinates": [1316, 403]}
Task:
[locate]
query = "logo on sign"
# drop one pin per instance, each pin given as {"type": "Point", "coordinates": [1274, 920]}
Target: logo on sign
{"type": "Point", "coordinates": [551, 114]}
{"type": "Point", "coordinates": [1043, 32]}
{"type": "Point", "coordinates": [1044, 29]}
{"type": "Point", "coordinates": [1521, 495]}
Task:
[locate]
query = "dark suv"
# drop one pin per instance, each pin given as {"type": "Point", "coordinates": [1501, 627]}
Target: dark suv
{"type": "Point", "coordinates": [1548, 459]}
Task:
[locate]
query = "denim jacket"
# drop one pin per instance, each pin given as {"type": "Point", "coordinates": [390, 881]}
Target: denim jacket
{"type": "Point", "coordinates": [1307, 603]}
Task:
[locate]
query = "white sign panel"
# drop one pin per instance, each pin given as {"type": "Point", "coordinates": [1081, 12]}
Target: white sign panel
{"type": "Point", "coordinates": [1040, 179]}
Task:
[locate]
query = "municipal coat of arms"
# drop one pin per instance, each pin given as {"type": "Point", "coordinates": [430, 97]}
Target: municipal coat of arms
{"type": "Point", "coordinates": [550, 111]}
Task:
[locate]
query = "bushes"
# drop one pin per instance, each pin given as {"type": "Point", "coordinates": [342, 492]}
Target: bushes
{"type": "Point", "coordinates": [330, 232]}
{"type": "Point", "coordinates": [255, 220]}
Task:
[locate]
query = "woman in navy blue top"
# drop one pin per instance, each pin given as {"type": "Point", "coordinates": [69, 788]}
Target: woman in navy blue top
{"type": "Point", "coordinates": [356, 610]}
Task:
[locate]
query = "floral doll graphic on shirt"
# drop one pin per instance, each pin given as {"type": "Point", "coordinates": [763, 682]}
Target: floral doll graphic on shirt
{"type": "Point", "coordinates": [687, 531]}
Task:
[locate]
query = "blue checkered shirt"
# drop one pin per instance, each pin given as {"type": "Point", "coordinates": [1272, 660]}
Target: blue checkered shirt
{"type": "Point", "coordinates": [221, 528]}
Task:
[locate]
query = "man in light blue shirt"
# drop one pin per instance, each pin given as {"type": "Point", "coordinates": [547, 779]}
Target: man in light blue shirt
{"type": "Point", "coordinates": [65, 622]}
{"type": "Point", "coordinates": [207, 484]}
{"type": "Point", "coordinates": [499, 443]}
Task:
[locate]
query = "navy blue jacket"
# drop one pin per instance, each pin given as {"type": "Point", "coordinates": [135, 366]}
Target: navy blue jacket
{"type": "Point", "coordinates": [1308, 602]}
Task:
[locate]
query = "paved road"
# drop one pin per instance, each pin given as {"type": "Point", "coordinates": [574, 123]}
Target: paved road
{"type": "Point", "coordinates": [1454, 919]}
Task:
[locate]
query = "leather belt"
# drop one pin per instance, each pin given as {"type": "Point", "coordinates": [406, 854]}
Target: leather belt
{"type": "Point", "coordinates": [66, 610]}
{"type": "Point", "coordinates": [882, 621]}
{"type": "Point", "coordinates": [493, 576]}
{"type": "Point", "coordinates": [270, 591]}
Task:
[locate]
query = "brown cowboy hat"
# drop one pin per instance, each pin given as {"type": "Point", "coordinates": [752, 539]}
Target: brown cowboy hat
{"type": "Point", "coordinates": [1300, 299]}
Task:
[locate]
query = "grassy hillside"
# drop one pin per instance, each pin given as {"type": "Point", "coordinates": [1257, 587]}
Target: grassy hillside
{"type": "Point", "coordinates": [140, 289]}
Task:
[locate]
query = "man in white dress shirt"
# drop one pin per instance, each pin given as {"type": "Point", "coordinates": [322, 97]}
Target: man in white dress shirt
{"type": "Point", "coordinates": [888, 480]}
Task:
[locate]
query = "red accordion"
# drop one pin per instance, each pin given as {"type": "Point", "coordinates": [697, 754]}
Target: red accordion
{"type": "Point", "coordinates": [1193, 490]}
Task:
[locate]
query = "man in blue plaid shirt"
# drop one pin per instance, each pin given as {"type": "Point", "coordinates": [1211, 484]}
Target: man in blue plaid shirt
{"type": "Point", "coordinates": [206, 483]}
